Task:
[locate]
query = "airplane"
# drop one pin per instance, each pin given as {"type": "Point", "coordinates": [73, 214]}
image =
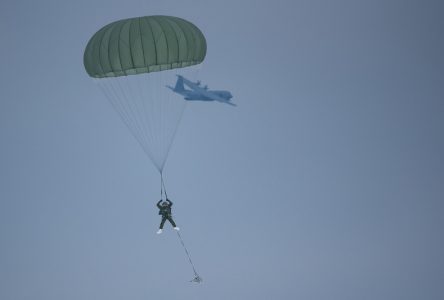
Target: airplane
{"type": "Point", "coordinates": [198, 93]}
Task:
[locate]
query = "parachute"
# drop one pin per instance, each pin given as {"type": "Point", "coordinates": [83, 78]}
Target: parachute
{"type": "Point", "coordinates": [150, 48]}
{"type": "Point", "coordinates": [132, 61]}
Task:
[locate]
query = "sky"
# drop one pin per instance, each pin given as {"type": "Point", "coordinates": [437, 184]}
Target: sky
{"type": "Point", "coordinates": [325, 182]}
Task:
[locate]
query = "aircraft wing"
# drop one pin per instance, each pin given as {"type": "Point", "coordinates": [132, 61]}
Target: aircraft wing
{"type": "Point", "coordinates": [211, 95]}
{"type": "Point", "coordinates": [190, 84]}
{"type": "Point", "coordinates": [204, 92]}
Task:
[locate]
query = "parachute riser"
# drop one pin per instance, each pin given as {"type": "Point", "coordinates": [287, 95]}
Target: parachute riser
{"type": "Point", "coordinates": [162, 187]}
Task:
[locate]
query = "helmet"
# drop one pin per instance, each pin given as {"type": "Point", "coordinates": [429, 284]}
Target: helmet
{"type": "Point", "coordinates": [164, 203]}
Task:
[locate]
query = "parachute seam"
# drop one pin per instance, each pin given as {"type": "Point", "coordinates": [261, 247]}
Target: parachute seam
{"type": "Point", "coordinates": [141, 43]}
{"type": "Point", "coordinates": [186, 40]}
{"type": "Point", "coordinates": [129, 46]}
{"type": "Point", "coordinates": [166, 41]}
{"type": "Point", "coordinates": [175, 35]}
{"type": "Point", "coordinates": [196, 51]}
{"type": "Point", "coordinates": [100, 49]}
{"type": "Point", "coordinates": [161, 24]}
{"type": "Point", "coordinates": [200, 49]}
{"type": "Point", "coordinates": [118, 49]}
{"type": "Point", "coordinates": [108, 50]}
{"type": "Point", "coordinates": [189, 46]}
{"type": "Point", "coordinates": [154, 40]}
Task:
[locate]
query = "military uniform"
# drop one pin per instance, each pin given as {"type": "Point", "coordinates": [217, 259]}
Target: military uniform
{"type": "Point", "coordinates": [165, 212]}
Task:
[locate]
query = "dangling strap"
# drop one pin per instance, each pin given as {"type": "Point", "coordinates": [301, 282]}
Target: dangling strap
{"type": "Point", "coordinates": [196, 278]}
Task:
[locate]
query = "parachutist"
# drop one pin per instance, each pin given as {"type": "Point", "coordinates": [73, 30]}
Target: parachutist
{"type": "Point", "coordinates": [165, 212]}
{"type": "Point", "coordinates": [154, 56]}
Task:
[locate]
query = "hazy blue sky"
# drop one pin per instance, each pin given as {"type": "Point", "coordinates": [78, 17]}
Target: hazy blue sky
{"type": "Point", "coordinates": [326, 182]}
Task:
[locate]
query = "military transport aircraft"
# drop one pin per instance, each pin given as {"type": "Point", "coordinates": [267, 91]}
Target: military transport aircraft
{"type": "Point", "coordinates": [199, 93]}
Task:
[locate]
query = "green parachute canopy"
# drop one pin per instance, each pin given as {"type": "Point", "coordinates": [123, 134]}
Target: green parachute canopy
{"type": "Point", "coordinates": [152, 47]}
{"type": "Point", "coordinates": [144, 45]}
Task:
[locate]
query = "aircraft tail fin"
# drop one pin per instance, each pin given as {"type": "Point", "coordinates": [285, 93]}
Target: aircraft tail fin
{"type": "Point", "coordinates": [179, 87]}
{"type": "Point", "coordinates": [179, 84]}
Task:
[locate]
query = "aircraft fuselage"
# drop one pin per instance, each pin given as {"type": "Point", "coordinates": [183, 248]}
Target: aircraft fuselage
{"type": "Point", "coordinates": [192, 95]}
